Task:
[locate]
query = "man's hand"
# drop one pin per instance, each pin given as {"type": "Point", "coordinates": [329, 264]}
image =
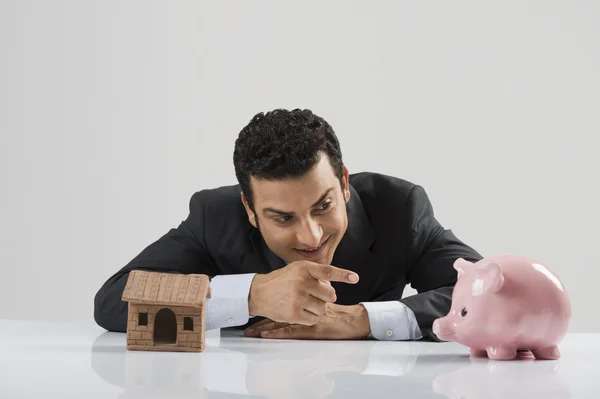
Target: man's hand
{"type": "Point", "coordinates": [338, 322]}
{"type": "Point", "coordinates": [296, 293]}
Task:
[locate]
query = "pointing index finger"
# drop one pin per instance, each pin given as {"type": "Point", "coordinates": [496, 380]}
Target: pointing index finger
{"type": "Point", "coordinates": [332, 273]}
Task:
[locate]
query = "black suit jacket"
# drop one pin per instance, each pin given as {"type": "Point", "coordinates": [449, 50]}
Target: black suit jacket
{"type": "Point", "coordinates": [393, 239]}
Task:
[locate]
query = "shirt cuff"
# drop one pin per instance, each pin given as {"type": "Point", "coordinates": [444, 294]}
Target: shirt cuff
{"type": "Point", "coordinates": [228, 302]}
{"type": "Point", "coordinates": [392, 321]}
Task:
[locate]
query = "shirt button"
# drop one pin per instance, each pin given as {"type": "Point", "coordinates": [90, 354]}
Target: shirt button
{"type": "Point", "coordinates": [231, 320]}
{"type": "Point", "coordinates": [388, 333]}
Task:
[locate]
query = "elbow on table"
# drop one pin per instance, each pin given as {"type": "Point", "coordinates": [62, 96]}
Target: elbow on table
{"type": "Point", "coordinates": [110, 316]}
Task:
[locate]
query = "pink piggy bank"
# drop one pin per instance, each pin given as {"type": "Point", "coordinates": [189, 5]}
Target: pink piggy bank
{"type": "Point", "coordinates": [504, 304]}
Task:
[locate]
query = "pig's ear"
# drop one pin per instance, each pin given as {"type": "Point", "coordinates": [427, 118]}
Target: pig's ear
{"type": "Point", "coordinates": [488, 278]}
{"type": "Point", "coordinates": [461, 266]}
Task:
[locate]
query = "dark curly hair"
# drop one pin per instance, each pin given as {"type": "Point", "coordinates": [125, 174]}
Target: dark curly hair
{"type": "Point", "coordinates": [283, 144]}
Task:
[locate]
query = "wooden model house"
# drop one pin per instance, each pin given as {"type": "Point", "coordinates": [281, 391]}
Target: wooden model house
{"type": "Point", "coordinates": [167, 312]}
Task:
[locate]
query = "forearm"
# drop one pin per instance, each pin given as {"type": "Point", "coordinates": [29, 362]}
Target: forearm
{"type": "Point", "coordinates": [428, 306]}
{"type": "Point", "coordinates": [227, 307]}
{"type": "Point", "coordinates": [175, 252]}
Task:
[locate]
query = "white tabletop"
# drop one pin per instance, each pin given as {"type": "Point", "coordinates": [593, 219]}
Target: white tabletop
{"type": "Point", "coordinates": [62, 360]}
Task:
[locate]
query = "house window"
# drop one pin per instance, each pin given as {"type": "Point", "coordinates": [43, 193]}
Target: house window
{"type": "Point", "coordinates": [188, 324]}
{"type": "Point", "coordinates": [143, 319]}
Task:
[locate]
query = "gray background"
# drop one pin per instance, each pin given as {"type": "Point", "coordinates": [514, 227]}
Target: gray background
{"type": "Point", "coordinates": [113, 113]}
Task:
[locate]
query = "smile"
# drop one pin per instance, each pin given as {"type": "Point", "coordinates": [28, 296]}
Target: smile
{"type": "Point", "coordinates": [314, 251]}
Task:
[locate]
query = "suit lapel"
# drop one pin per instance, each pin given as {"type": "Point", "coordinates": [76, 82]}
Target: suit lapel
{"type": "Point", "coordinates": [261, 259]}
{"type": "Point", "coordinates": [354, 253]}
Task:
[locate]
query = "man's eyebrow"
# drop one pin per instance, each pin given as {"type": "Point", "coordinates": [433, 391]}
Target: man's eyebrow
{"type": "Point", "coordinates": [322, 197]}
{"type": "Point", "coordinates": [273, 210]}
{"type": "Point", "coordinates": [285, 213]}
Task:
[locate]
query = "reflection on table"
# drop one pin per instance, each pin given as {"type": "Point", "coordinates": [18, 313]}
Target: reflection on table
{"type": "Point", "coordinates": [233, 365]}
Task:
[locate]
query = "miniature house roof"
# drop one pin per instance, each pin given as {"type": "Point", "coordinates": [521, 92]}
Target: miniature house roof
{"type": "Point", "coordinates": [166, 288]}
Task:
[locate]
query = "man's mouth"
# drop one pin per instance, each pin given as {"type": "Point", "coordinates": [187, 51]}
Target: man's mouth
{"type": "Point", "coordinates": [313, 252]}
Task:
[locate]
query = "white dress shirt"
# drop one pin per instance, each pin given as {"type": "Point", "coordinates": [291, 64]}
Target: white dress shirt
{"type": "Point", "coordinates": [228, 307]}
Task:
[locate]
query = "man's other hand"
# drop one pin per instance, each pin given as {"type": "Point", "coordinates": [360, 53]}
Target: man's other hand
{"type": "Point", "coordinates": [338, 322]}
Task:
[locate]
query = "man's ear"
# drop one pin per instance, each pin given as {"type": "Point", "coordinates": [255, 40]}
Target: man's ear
{"type": "Point", "coordinates": [251, 215]}
{"type": "Point", "coordinates": [346, 187]}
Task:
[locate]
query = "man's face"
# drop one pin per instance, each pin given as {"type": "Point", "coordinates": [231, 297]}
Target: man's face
{"type": "Point", "coordinates": [302, 214]}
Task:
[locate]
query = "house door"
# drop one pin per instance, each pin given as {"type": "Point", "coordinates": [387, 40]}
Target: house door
{"type": "Point", "coordinates": [165, 327]}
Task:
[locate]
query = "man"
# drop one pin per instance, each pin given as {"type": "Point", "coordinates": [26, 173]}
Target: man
{"type": "Point", "coordinates": [303, 246]}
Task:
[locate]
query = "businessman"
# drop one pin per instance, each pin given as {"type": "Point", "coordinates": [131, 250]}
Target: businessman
{"type": "Point", "coordinates": [302, 249]}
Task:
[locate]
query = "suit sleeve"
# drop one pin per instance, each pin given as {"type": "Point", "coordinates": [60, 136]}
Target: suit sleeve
{"type": "Point", "coordinates": [432, 252]}
{"type": "Point", "coordinates": [180, 250]}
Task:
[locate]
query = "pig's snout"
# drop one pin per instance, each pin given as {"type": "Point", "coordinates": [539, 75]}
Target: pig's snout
{"type": "Point", "coordinates": [440, 329]}
{"type": "Point", "coordinates": [436, 326]}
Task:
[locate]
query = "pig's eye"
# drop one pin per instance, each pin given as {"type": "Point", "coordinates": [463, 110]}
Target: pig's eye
{"type": "Point", "coordinates": [463, 312]}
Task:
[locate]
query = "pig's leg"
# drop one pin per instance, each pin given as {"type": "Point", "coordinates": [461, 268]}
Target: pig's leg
{"type": "Point", "coordinates": [478, 353]}
{"type": "Point", "coordinates": [548, 353]}
{"type": "Point", "coordinates": [501, 353]}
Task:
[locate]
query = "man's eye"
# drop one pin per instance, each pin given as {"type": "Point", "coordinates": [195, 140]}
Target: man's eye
{"type": "Point", "coordinates": [283, 219]}
{"type": "Point", "coordinates": [325, 206]}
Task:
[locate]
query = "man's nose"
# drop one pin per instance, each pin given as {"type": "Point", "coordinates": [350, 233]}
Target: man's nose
{"type": "Point", "coordinates": [310, 233]}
